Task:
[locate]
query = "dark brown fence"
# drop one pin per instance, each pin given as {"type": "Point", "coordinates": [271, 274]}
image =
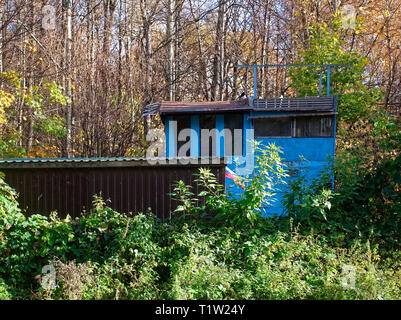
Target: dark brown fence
{"type": "Point", "coordinates": [68, 186]}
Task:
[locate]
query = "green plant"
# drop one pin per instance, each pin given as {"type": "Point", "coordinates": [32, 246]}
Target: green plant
{"type": "Point", "coordinates": [10, 213]}
{"type": "Point", "coordinates": [308, 203]}
{"type": "Point", "coordinates": [4, 293]}
{"type": "Point", "coordinates": [110, 255]}
{"type": "Point", "coordinates": [366, 204]}
{"type": "Point", "coordinates": [326, 45]}
{"type": "Point", "coordinates": [40, 100]}
{"type": "Point", "coordinates": [239, 210]}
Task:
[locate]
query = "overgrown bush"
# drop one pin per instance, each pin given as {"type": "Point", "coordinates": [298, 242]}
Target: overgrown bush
{"type": "Point", "coordinates": [241, 210]}
{"type": "Point", "coordinates": [366, 204]}
{"type": "Point", "coordinates": [102, 237]}
{"type": "Point", "coordinates": [193, 262]}
{"type": "Point", "coordinates": [238, 254]}
{"type": "Point", "coordinates": [4, 293]}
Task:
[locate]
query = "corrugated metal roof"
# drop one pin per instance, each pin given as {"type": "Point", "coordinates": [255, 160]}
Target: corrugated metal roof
{"type": "Point", "coordinates": [324, 103]}
{"type": "Point", "coordinates": [101, 162]}
{"type": "Point", "coordinates": [293, 115]}
{"type": "Point", "coordinates": [33, 160]}
{"type": "Point", "coordinates": [175, 107]}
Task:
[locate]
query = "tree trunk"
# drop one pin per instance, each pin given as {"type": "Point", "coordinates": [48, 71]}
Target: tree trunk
{"type": "Point", "coordinates": [109, 9]}
{"type": "Point", "coordinates": [170, 50]}
{"type": "Point", "coordinates": [31, 60]}
{"type": "Point", "coordinates": [217, 50]}
{"type": "Point", "coordinates": [1, 37]}
{"type": "Point", "coordinates": [68, 71]}
{"type": "Point", "coordinates": [121, 33]}
{"type": "Point", "coordinates": [265, 50]}
{"type": "Point", "coordinates": [147, 48]}
{"type": "Point", "coordinates": [178, 50]}
{"type": "Point", "coordinates": [222, 55]}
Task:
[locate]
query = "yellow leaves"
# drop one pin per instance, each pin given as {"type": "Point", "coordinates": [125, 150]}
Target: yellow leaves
{"type": "Point", "coordinates": [12, 76]}
{"type": "Point", "coordinates": [72, 86]}
{"type": "Point", "coordinates": [31, 46]}
{"type": "Point", "coordinates": [6, 99]}
{"type": "Point", "coordinates": [387, 13]}
{"type": "Point", "coordinates": [43, 151]}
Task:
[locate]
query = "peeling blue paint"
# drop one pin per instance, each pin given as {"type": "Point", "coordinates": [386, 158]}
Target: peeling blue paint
{"type": "Point", "coordinates": [315, 150]}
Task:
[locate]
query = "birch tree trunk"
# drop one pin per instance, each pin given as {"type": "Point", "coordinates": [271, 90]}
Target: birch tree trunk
{"type": "Point", "coordinates": [121, 33]}
{"type": "Point", "coordinates": [265, 50]}
{"type": "Point", "coordinates": [30, 80]}
{"type": "Point", "coordinates": [222, 54]}
{"type": "Point", "coordinates": [129, 17]}
{"type": "Point", "coordinates": [170, 50]}
{"type": "Point", "coordinates": [147, 48]}
{"type": "Point", "coordinates": [178, 74]}
{"type": "Point", "coordinates": [68, 63]}
{"type": "Point", "coordinates": [109, 9]}
{"type": "Point", "coordinates": [217, 54]}
{"type": "Point", "coordinates": [1, 36]}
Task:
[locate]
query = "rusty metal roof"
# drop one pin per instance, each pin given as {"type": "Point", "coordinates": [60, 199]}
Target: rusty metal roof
{"type": "Point", "coordinates": [175, 107]}
{"type": "Point", "coordinates": [315, 104]}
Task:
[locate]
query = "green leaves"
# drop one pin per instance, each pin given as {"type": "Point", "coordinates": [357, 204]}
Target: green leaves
{"type": "Point", "coordinates": [326, 46]}
{"type": "Point", "coordinates": [109, 255]}
{"type": "Point", "coordinates": [10, 213]}
{"type": "Point", "coordinates": [240, 210]}
{"type": "Point", "coordinates": [41, 106]}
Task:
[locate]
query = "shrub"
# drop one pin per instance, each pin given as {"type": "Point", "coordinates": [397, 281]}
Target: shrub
{"type": "Point", "coordinates": [366, 204]}
{"type": "Point", "coordinates": [4, 293]}
{"type": "Point", "coordinates": [307, 268]}
{"type": "Point", "coordinates": [110, 255]}
{"type": "Point", "coordinates": [101, 235]}
{"type": "Point", "coordinates": [10, 214]}
{"type": "Point", "coordinates": [228, 264]}
{"type": "Point", "coordinates": [244, 209]}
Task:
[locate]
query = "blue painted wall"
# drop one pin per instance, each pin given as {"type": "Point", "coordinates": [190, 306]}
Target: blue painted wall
{"type": "Point", "coordinates": [315, 150]}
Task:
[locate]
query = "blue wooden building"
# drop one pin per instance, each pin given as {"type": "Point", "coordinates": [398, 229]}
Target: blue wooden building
{"type": "Point", "coordinates": [303, 127]}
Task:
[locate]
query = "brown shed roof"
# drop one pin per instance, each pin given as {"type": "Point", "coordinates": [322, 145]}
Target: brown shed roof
{"type": "Point", "coordinates": [315, 104]}
{"type": "Point", "coordinates": [175, 107]}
